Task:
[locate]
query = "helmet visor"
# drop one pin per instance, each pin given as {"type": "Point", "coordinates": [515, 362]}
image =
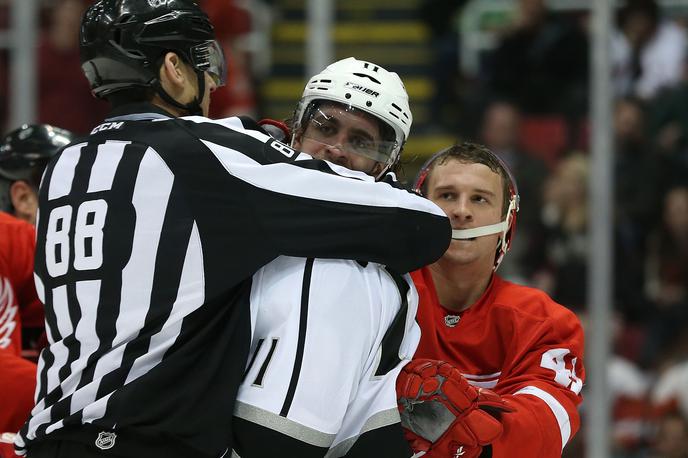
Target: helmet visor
{"type": "Point", "coordinates": [208, 57]}
{"type": "Point", "coordinates": [350, 129]}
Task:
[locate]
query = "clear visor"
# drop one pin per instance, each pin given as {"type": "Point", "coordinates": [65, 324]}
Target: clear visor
{"type": "Point", "coordinates": [350, 130]}
{"type": "Point", "coordinates": [208, 57]}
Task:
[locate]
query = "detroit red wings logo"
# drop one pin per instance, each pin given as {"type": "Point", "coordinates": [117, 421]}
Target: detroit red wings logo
{"type": "Point", "coordinates": [8, 313]}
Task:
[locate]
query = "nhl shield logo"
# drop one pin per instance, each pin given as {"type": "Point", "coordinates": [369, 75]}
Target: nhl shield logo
{"type": "Point", "coordinates": [451, 320]}
{"type": "Point", "coordinates": [105, 440]}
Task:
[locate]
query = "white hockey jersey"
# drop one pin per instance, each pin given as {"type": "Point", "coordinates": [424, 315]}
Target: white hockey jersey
{"type": "Point", "coordinates": [329, 338]}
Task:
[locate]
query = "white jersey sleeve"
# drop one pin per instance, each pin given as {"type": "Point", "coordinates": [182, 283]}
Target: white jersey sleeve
{"type": "Point", "coordinates": [329, 338]}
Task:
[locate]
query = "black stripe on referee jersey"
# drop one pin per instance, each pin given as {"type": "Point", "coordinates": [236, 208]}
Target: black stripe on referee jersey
{"type": "Point", "coordinates": [41, 270]}
{"type": "Point", "coordinates": [298, 360]}
{"type": "Point", "coordinates": [253, 358]}
{"type": "Point", "coordinates": [385, 442]}
{"type": "Point", "coordinates": [261, 373]}
{"type": "Point", "coordinates": [73, 345]}
{"type": "Point", "coordinates": [395, 333]}
{"type": "Point", "coordinates": [252, 440]}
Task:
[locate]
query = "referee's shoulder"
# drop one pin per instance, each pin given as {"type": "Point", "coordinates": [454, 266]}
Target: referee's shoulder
{"type": "Point", "coordinates": [242, 125]}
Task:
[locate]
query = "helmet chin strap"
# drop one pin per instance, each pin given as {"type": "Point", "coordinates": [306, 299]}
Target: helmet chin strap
{"type": "Point", "coordinates": [194, 107]}
{"type": "Point", "coordinates": [463, 234]}
{"type": "Point", "coordinates": [501, 227]}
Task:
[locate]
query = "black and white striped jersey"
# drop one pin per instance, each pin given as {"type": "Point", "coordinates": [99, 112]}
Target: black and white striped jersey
{"type": "Point", "coordinates": [148, 234]}
{"type": "Point", "coordinates": [329, 339]}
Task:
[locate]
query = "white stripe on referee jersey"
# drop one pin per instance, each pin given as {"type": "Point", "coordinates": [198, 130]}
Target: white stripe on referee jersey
{"type": "Point", "coordinates": [40, 288]}
{"type": "Point", "coordinates": [190, 296]}
{"type": "Point", "coordinates": [151, 195]}
{"type": "Point", "coordinates": [283, 425]}
{"type": "Point", "coordinates": [233, 123]}
{"type": "Point", "coordinates": [557, 409]}
{"type": "Point", "coordinates": [39, 370]}
{"type": "Point", "coordinates": [63, 172]}
{"type": "Point", "coordinates": [105, 165]}
{"type": "Point", "coordinates": [296, 181]}
{"type": "Point", "coordinates": [64, 326]}
{"type": "Point", "coordinates": [95, 410]}
{"type": "Point", "coordinates": [54, 427]}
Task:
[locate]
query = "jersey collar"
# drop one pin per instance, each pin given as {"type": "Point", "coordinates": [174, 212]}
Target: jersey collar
{"type": "Point", "coordinates": [142, 111]}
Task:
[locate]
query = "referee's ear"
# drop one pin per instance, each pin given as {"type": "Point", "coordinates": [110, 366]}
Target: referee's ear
{"type": "Point", "coordinates": [174, 76]}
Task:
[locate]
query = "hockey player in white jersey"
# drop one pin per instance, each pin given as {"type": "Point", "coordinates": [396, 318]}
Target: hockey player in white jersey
{"type": "Point", "coordinates": [331, 336]}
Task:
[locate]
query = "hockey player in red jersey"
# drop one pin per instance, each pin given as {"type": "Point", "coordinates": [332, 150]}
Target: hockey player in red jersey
{"type": "Point", "coordinates": [24, 153]}
{"type": "Point", "coordinates": [511, 339]}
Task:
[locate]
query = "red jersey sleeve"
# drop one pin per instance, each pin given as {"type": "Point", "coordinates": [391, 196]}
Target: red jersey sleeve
{"type": "Point", "coordinates": [543, 382]}
{"type": "Point", "coordinates": [17, 386]}
{"type": "Point", "coordinates": [31, 308]}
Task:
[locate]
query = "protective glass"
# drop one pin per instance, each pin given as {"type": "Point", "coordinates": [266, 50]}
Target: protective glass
{"type": "Point", "coordinates": [208, 57]}
{"type": "Point", "coordinates": [349, 129]}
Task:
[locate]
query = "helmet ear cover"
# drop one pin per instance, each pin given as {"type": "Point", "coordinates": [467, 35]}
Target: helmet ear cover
{"type": "Point", "coordinates": [513, 197]}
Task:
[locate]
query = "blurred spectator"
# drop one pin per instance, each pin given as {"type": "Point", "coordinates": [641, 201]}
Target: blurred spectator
{"type": "Point", "coordinates": [668, 127]}
{"type": "Point", "coordinates": [671, 389]}
{"type": "Point", "coordinates": [667, 276]}
{"type": "Point", "coordinates": [500, 132]}
{"type": "Point", "coordinates": [629, 389]}
{"type": "Point", "coordinates": [557, 256]}
{"type": "Point", "coordinates": [635, 207]}
{"type": "Point", "coordinates": [647, 54]}
{"type": "Point", "coordinates": [672, 437]}
{"type": "Point", "coordinates": [233, 22]}
{"type": "Point", "coordinates": [542, 63]}
{"type": "Point", "coordinates": [4, 71]}
{"type": "Point", "coordinates": [64, 95]}
{"type": "Point", "coordinates": [441, 18]}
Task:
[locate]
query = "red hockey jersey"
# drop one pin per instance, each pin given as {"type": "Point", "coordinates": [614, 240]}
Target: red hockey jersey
{"type": "Point", "coordinates": [519, 343]}
{"type": "Point", "coordinates": [19, 306]}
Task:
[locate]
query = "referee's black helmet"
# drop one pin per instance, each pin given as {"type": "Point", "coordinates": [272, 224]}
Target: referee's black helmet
{"type": "Point", "coordinates": [123, 42]}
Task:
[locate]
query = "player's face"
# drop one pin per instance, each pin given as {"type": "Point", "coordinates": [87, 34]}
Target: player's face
{"type": "Point", "coordinates": [471, 195]}
{"type": "Point", "coordinates": [342, 137]}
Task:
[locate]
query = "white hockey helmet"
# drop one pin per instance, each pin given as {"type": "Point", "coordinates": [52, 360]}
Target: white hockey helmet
{"type": "Point", "coordinates": [365, 86]}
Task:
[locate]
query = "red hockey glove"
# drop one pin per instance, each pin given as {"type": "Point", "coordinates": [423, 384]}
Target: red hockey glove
{"type": "Point", "coordinates": [442, 414]}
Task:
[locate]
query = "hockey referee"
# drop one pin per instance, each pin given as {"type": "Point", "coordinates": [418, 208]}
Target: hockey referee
{"type": "Point", "coordinates": [149, 232]}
